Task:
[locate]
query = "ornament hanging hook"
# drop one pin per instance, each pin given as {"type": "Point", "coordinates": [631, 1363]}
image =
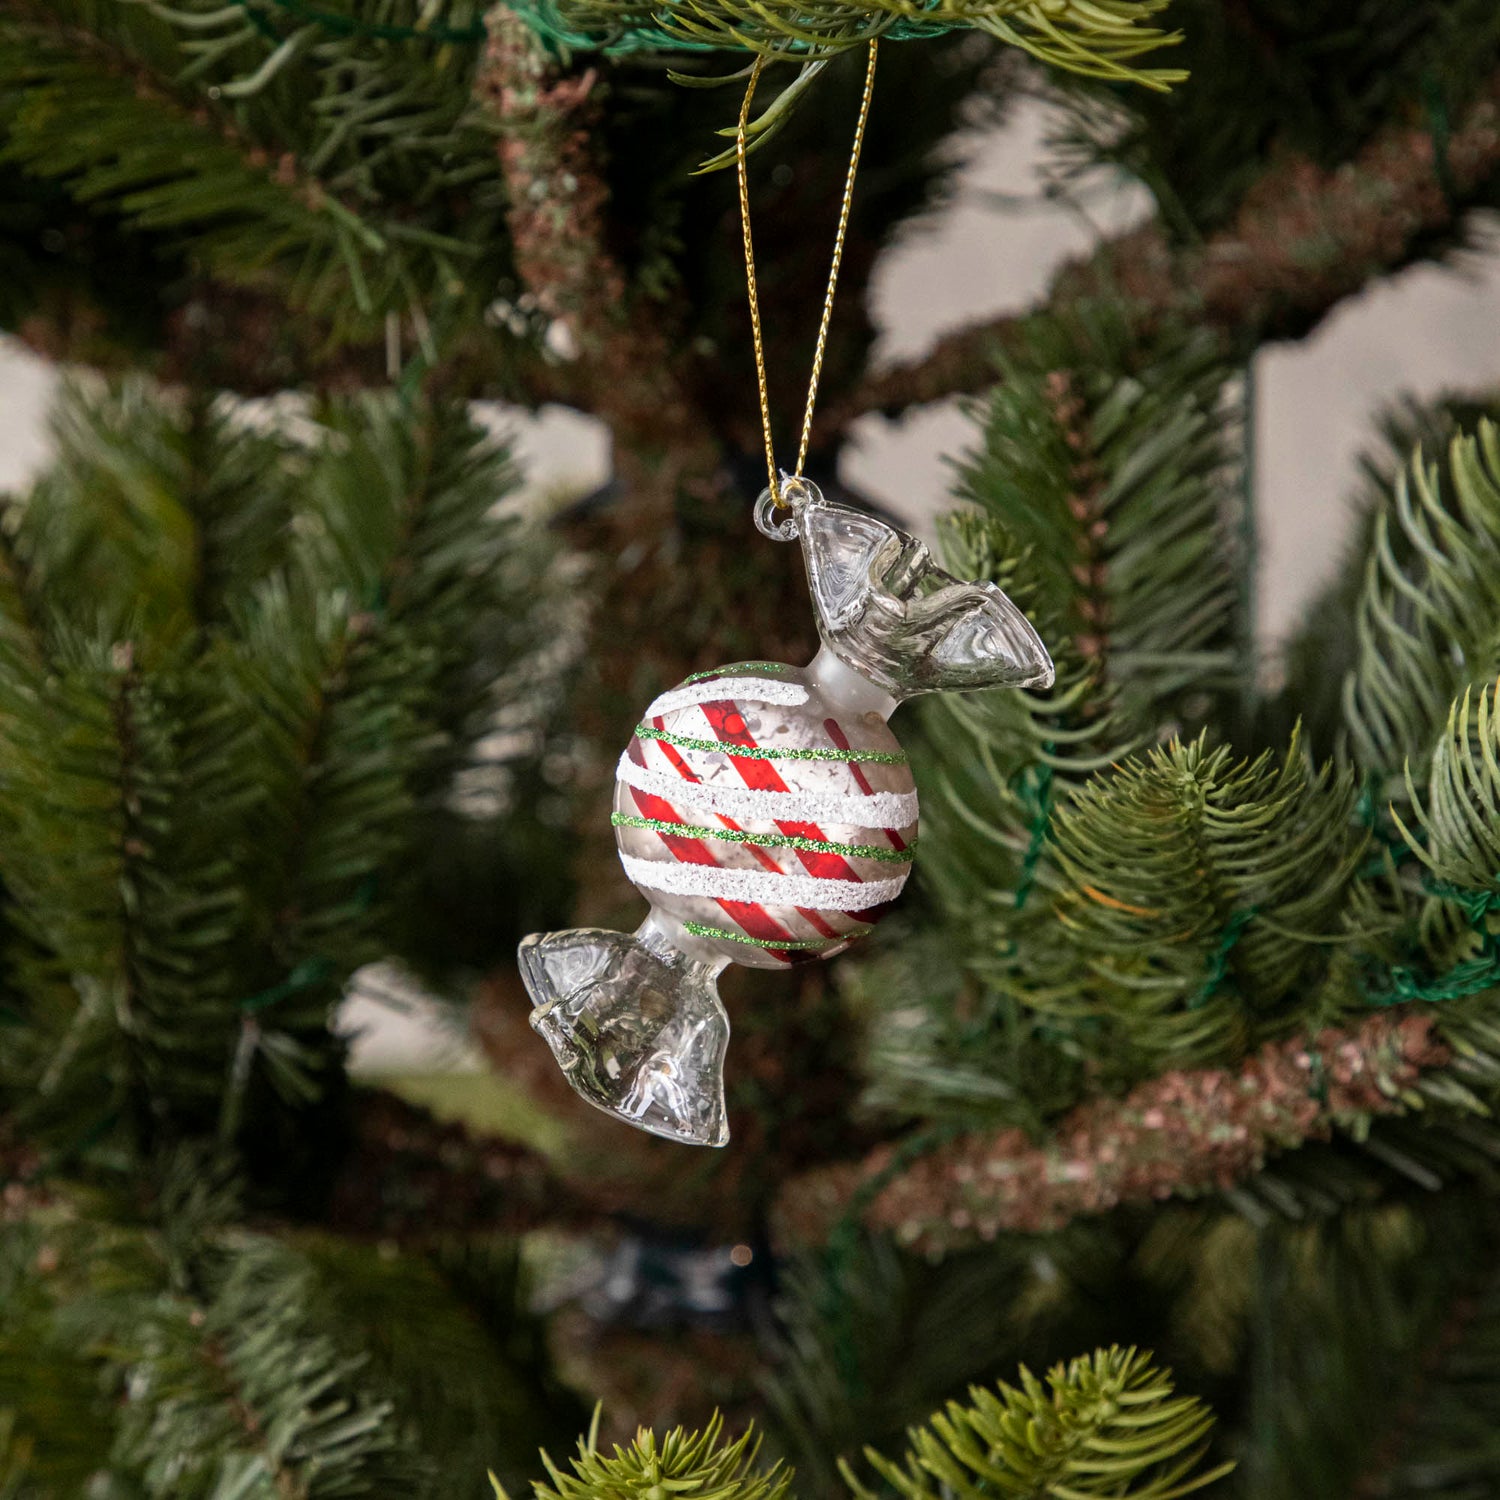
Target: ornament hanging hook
{"type": "Point", "coordinates": [776, 516]}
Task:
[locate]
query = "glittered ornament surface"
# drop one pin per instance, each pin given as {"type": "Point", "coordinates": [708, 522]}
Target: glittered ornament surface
{"type": "Point", "coordinates": [766, 819]}
{"type": "Point", "coordinates": [768, 815]}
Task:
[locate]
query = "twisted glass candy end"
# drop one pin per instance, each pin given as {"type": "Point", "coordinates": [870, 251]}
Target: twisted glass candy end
{"type": "Point", "coordinates": [636, 1026]}
{"type": "Point", "coordinates": [887, 610]}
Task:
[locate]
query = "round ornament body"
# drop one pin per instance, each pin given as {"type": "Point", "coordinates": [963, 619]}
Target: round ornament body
{"type": "Point", "coordinates": [765, 823]}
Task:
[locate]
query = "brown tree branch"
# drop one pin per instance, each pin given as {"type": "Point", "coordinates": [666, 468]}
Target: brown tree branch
{"type": "Point", "coordinates": [21, 1184]}
{"type": "Point", "coordinates": [1182, 1133]}
{"type": "Point", "coordinates": [410, 1177]}
{"type": "Point", "coordinates": [211, 334]}
{"type": "Point", "coordinates": [403, 1175]}
{"type": "Point", "coordinates": [673, 518]}
{"type": "Point", "coordinates": [625, 364]}
{"type": "Point", "coordinates": [1304, 238]}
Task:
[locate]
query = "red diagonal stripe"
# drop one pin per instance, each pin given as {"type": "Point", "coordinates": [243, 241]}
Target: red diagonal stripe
{"type": "Point", "coordinates": [814, 918]}
{"type": "Point", "coordinates": [751, 917]}
{"type": "Point", "coordinates": [729, 725]}
{"type": "Point", "coordinates": [637, 752]}
{"type": "Point", "coordinates": [686, 850]}
{"type": "Point", "coordinates": [760, 854]}
{"type": "Point", "coordinates": [638, 755]}
{"type": "Point", "coordinates": [839, 738]}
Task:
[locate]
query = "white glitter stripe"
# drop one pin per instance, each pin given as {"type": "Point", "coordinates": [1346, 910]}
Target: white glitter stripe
{"type": "Point", "coordinates": [750, 689]}
{"type": "Point", "coordinates": [853, 809]}
{"type": "Point", "coordinates": [758, 885]}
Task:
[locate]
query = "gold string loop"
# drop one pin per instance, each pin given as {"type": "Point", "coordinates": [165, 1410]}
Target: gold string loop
{"type": "Point", "coordinates": [774, 479]}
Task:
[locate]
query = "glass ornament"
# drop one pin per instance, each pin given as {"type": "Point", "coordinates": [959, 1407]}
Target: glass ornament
{"type": "Point", "coordinates": [767, 814]}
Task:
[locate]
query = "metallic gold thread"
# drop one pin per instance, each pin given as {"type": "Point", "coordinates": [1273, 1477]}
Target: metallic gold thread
{"type": "Point", "coordinates": [752, 287]}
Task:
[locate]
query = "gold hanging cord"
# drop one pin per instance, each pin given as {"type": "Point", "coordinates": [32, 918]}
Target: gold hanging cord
{"type": "Point", "coordinates": [833, 272]}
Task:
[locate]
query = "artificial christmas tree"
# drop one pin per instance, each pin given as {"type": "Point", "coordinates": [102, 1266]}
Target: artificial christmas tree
{"type": "Point", "coordinates": [1185, 1037]}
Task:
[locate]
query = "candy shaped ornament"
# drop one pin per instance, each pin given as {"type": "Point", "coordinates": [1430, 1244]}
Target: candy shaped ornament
{"type": "Point", "coordinates": [768, 815]}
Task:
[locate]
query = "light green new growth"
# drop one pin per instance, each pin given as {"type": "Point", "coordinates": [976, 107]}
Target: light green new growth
{"type": "Point", "coordinates": [1096, 38]}
{"type": "Point", "coordinates": [1107, 1424]}
{"type": "Point", "coordinates": [1104, 1424]}
{"type": "Point", "coordinates": [680, 1466]}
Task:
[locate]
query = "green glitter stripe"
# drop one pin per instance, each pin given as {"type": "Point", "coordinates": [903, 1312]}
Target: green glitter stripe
{"type": "Point", "coordinates": [754, 752]}
{"type": "Point", "coordinates": [768, 840]}
{"type": "Point", "coordinates": [699, 929]}
{"type": "Point", "coordinates": [737, 666]}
